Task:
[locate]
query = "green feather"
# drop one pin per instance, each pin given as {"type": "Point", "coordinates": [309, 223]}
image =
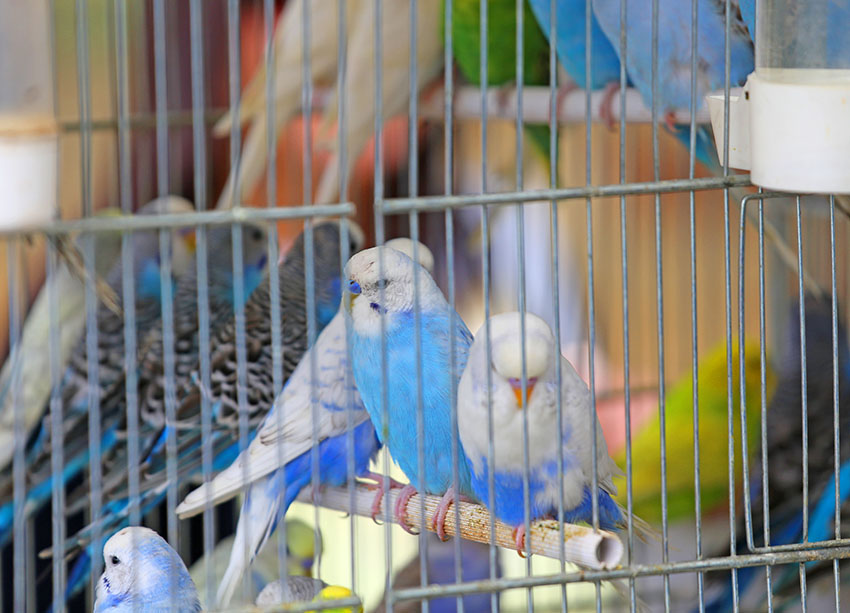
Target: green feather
{"type": "Point", "coordinates": [501, 50]}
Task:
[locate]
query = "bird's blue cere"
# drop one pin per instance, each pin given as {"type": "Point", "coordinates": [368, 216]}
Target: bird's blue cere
{"type": "Point", "coordinates": [354, 287]}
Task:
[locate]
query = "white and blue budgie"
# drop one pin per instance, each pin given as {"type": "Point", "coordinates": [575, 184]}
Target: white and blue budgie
{"type": "Point", "coordinates": [380, 304]}
{"type": "Point", "coordinates": [143, 573]}
{"type": "Point", "coordinates": [545, 435]}
{"type": "Point", "coordinates": [278, 463]}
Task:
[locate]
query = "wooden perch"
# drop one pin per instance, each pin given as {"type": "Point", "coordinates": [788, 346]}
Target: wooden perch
{"type": "Point", "coordinates": [582, 545]}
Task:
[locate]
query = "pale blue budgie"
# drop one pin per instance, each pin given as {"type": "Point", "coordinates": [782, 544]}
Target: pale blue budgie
{"type": "Point", "coordinates": [380, 298]}
{"type": "Point", "coordinates": [278, 462]}
{"type": "Point", "coordinates": [545, 435]}
{"type": "Point", "coordinates": [674, 56]}
{"type": "Point", "coordinates": [143, 573]}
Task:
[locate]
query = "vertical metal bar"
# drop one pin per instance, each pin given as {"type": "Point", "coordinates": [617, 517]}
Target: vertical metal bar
{"type": "Point", "coordinates": [200, 182]}
{"type": "Point", "coordinates": [556, 279]}
{"type": "Point", "coordinates": [88, 243]}
{"type": "Point", "coordinates": [19, 541]}
{"type": "Point", "coordinates": [378, 204]}
{"type": "Point", "coordinates": [763, 385]}
{"type": "Point", "coordinates": [521, 297]}
{"type": "Point", "coordinates": [694, 344]}
{"type": "Point", "coordinates": [166, 275]}
{"type": "Point", "coordinates": [273, 244]}
{"type": "Point", "coordinates": [57, 441]}
{"type": "Point", "coordinates": [127, 257]}
{"type": "Point", "coordinates": [804, 398]}
{"type": "Point", "coordinates": [448, 78]}
{"type": "Point", "coordinates": [835, 399]}
{"type": "Point", "coordinates": [485, 274]}
{"type": "Point", "coordinates": [624, 266]}
{"type": "Point", "coordinates": [413, 220]}
{"type": "Point", "coordinates": [659, 297]}
{"type": "Point", "coordinates": [728, 278]}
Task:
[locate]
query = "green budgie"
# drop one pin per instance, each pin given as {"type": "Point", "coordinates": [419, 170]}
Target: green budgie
{"type": "Point", "coordinates": [501, 49]}
{"type": "Point", "coordinates": [714, 478]}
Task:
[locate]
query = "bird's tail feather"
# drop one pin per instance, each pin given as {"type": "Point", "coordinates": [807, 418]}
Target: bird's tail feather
{"type": "Point", "coordinates": [262, 509]}
{"type": "Point", "coordinates": [705, 151]}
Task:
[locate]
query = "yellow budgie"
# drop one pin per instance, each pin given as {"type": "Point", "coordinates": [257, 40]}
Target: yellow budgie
{"type": "Point", "coordinates": [713, 428]}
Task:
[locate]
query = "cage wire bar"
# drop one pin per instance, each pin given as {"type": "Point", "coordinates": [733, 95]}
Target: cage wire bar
{"type": "Point", "coordinates": [411, 206]}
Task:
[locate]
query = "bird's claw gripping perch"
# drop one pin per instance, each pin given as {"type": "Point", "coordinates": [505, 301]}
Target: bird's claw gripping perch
{"type": "Point", "coordinates": [438, 522]}
{"type": "Point", "coordinates": [407, 492]}
{"type": "Point", "coordinates": [379, 486]}
{"type": "Point", "coordinates": [519, 540]}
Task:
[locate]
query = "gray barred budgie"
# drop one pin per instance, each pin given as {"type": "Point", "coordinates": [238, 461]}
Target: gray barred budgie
{"type": "Point", "coordinates": [114, 456]}
{"type": "Point", "coordinates": [259, 386]}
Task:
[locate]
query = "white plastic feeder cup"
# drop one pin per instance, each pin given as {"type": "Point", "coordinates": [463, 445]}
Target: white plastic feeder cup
{"type": "Point", "coordinates": [799, 97]}
{"type": "Point", "coordinates": [29, 136]}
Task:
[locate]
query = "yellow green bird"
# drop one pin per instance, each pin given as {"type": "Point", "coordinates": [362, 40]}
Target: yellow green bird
{"type": "Point", "coordinates": [713, 428]}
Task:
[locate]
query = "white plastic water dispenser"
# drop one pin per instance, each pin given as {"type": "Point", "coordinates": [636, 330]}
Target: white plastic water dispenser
{"type": "Point", "coordinates": [790, 124]}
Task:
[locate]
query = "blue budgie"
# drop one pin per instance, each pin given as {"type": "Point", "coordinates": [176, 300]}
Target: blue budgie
{"type": "Point", "coordinates": [571, 46]}
{"type": "Point", "coordinates": [674, 56]}
{"type": "Point", "coordinates": [785, 455]}
{"type": "Point", "coordinates": [380, 296]}
{"type": "Point", "coordinates": [285, 439]}
{"type": "Point", "coordinates": [143, 573]}
{"type": "Point", "coordinates": [544, 433]}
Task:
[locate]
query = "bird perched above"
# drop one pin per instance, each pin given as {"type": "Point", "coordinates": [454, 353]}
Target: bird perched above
{"type": "Point", "coordinates": [300, 545]}
{"type": "Point", "coordinates": [713, 427]}
{"type": "Point", "coordinates": [674, 56]}
{"type": "Point", "coordinates": [379, 305]}
{"type": "Point", "coordinates": [143, 573]}
{"type": "Point", "coordinates": [326, 409]}
{"type": "Point", "coordinates": [289, 590]}
{"type": "Point", "coordinates": [538, 403]}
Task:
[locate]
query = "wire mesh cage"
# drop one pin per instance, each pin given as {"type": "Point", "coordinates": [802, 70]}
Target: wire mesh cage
{"type": "Point", "coordinates": [240, 362]}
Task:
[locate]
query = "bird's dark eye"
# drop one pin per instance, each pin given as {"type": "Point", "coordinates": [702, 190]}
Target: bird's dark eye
{"type": "Point", "coordinates": [382, 283]}
{"type": "Point", "coordinates": [256, 234]}
{"type": "Point", "coordinates": [115, 560]}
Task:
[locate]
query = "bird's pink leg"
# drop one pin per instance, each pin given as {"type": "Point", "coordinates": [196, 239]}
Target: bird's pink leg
{"type": "Point", "coordinates": [380, 488]}
{"type": "Point", "coordinates": [606, 107]}
{"type": "Point", "coordinates": [407, 492]}
{"type": "Point", "coordinates": [438, 522]}
{"type": "Point", "coordinates": [519, 539]}
{"type": "Point", "coordinates": [670, 121]}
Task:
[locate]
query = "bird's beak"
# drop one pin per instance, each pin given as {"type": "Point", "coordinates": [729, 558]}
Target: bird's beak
{"type": "Point", "coordinates": [516, 385]}
{"type": "Point", "coordinates": [188, 236]}
{"type": "Point", "coordinates": [353, 291]}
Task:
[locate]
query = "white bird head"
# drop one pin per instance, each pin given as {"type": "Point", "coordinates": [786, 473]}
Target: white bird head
{"type": "Point", "coordinates": [423, 254]}
{"type": "Point", "coordinates": [506, 347]}
{"type": "Point", "coordinates": [140, 568]}
{"type": "Point", "coordinates": [505, 400]}
{"type": "Point", "coordinates": [380, 281]}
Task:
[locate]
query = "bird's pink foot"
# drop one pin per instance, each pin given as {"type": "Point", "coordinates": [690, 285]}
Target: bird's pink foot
{"type": "Point", "coordinates": [519, 539]}
{"type": "Point", "coordinates": [563, 92]}
{"type": "Point", "coordinates": [606, 106]}
{"type": "Point", "coordinates": [438, 523]}
{"type": "Point", "coordinates": [670, 121]}
{"type": "Point", "coordinates": [407, 492]}
{"type": "Point", "coordinates": [379, 486]}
